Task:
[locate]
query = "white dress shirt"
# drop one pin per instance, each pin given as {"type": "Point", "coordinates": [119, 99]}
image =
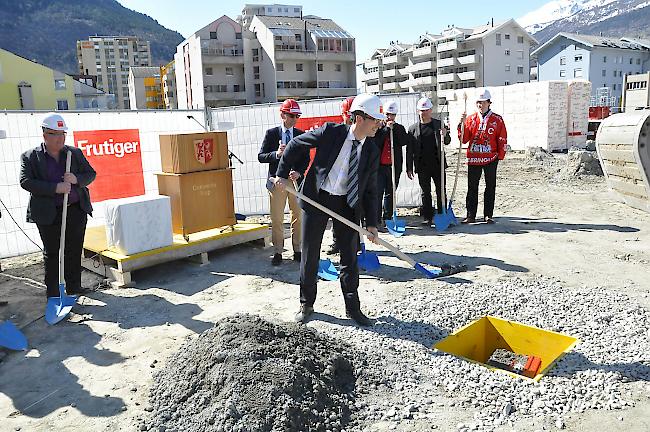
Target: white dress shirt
{"type": "Point", "coordinates": [282, 140]}
{"type": "Point", "coordinates": [337, 179]}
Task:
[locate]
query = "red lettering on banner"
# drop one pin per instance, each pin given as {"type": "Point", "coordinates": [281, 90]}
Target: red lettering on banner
{"type": "Point", "coordinates": [115, 156]}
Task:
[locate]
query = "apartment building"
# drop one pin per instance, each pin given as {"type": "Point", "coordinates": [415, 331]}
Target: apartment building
{"type": "Point", "coordinates": [487, 55]}
{"type": "Point", "coordinates": [278, 55]}
{"type": "Point", "coordinates": [109, 58]}
{"type": "Point", "coordinates": [145, 88]}
{"type": "Point", "coordinates": [636, 93]}
{"type": "Point", "coordinates": [602, 60]}
{"type": "Point", "coordinates": [168, 79]}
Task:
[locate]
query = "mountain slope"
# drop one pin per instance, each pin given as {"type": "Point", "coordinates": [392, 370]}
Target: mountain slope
{"type": "Point", "coordinates": [47, 30]}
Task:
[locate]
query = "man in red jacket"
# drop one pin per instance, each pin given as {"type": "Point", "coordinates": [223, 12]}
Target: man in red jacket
{"type": "Point", "coordinates": [486, 134]}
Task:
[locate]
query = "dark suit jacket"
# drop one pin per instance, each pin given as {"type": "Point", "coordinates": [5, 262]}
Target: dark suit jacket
{"type": "Point", "coordinates": [328, 141]}
{"type": "Point", "coordinates": [400, 139]}
{"type": "Point", "coordinates": [33, 178]}
{"type": "Point", "coordinates": [414, 151]}
{"type": "Point", "coordinates": [270, 145]}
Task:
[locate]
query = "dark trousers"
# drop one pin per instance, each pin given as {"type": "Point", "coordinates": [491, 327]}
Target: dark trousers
{"type": "Point", "coordinates": [425, 175]}
{"type": "Point", "coordinates": [385, 189]}
{"type": "Point", "coordinates": [314, 223]}
{"type": "Point", "coordinates": [74, 238]}
{"type": "Point", "coordinates": [473, 177]}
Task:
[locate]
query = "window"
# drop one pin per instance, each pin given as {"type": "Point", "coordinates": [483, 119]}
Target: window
{"type": "Point", "coordinates": [320, 67]}
{"type": "Point", "coordinates": [507, 52]}
{"type": "Point", "coordinates": [229, 71]}
{"type": "Point", "coordinates": [256, 54]}
{"type": "Point", "coordinates": [62, 104]}
{"type": "Point", "coordinates": [256, 72]}
{"type": "Point", "coordinates": [298, 37]}
{"type": "Point", "coordinates": [631, 60]}
{"type": "Point", "coordinates": [208, 71]}
{"type": "Point", "coordinates": [238, 88]}
{"type": "Point", "coordinates": [258, 90]}
{"type": "Point", "coordinates": [562, 73]}
{"type": "Point", "coordinates": [506, 83]}
{"type": "Point", "coordinates": [299, 67]}
{"type": "Point", "coordinates": [507, 68]}
{"type": "Point", "coordinates": [280, 67]}
{"type": "Point", "coordinates": [296, 10]}
{"type": "Point", "coordinates": [337, 67]}
{"type": "Point", "coordinates": [577, 73]}
{"type": "Point", "coordinates": [562, 60]}
{"type": "Point", "coordinates": [520, 39]}
{"type": "Point", "coordinates": [620, 74]}
{"type": "Point", "coordinates": [506, 36]}
{"type": "Point", "coordinates": [577, 58]}
{"type": "Point", "coordinates": [238, 35]}
{"type": "Point", "coordinates": [213, 35]}
{"type": "Point", "coordinates": [604, 72]}
{"type": "Point", "coordinates": [638, 61]}
{"type": "Point", "coordinates": [604, 59]}
{"type": "Point", "coordinates": [59, 84]}
{"type": "Point", "coordinates": [498, 36]}
{"type": "Point", "coordinates": [613, 86]}
{"type": "Point", "coordinates": [520, 54]}
{"type": "Point", "coordinates": [614, 72]}
{"type": "Point", "coordinates": [520, 70]}
{"type": "Point", "coordinates": [278, 38]}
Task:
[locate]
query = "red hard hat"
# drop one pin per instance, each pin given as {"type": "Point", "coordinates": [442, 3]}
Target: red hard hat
{"type": "Point", "coordinates": [290, 106]}
{"type": "Point", "coordinates": [346, 104]}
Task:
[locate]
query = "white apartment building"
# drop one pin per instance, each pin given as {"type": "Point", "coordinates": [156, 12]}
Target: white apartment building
{"type": "Point", "coordinates": [273, 59]}
{"type": "Point", "coordinates": [488, 55]}
{"type": "Point", "coordinates": [250, 10]}
{"type": "Point", "coordinates": [145, 88]}
{"type": "Point", "coordinates": [109, 59]}
{"type": "Point", "coordinates": [168, 78]}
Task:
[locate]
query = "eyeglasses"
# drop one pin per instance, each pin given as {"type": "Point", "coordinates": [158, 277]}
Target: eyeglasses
{"type": "Point", "coordinates": [367, 117]}
{"type": "Point", "coordinates": [56, 133]}
{"type": "Point", "coordinates": [292, 115]}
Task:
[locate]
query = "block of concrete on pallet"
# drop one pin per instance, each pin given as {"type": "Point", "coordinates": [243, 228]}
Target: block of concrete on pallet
{"type": "Point", "coordinates": [138, 224]}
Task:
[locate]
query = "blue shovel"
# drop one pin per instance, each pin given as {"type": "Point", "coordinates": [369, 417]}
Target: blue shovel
{"type": "Point", "coordinates": [367, 261]}
{"type": "Point", "coordinates": [450, 208]}
{"type": "Point", "coordinates": [59, 307]}
{"type": "Point", "coordinates": [396, 227]}
{"type": "Point", "coordinates": [446, 218]}
{"type": "Point", "coordinates": [11, 337]}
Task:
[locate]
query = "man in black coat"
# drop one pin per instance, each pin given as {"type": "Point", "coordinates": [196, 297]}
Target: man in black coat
{"type": "Point", "coordinates": [343, 178]}
{"type": "Point", "coordinates": [42, 174]}
{"type": "Point", "coordinates": [384, 175]}
{"type": "Point", "coordinates": [423, 153]}
{"type": "Point", "coordinates": [273, 145]}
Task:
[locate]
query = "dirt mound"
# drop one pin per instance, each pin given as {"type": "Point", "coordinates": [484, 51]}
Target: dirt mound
{"type": "Point", "coordinates": [247, 374]}
{"type": "Point", "coordinates": [537, 154]}
{"type": "Point", "coordinates": [583, 162]}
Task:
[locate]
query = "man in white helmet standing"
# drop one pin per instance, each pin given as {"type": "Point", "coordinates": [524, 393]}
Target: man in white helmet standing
{"type": "Point", "coordinates": [42, 174]}
{"type": "Point", "coordinates": [487, 136]}
{"type": "Point", "coordinates": [343, 178]}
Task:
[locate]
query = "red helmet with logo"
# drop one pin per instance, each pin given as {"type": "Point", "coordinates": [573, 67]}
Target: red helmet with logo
{"type": "Point", "coordinates": [345, 106]}
{"type": "Point", "coordinates": [290, 106]}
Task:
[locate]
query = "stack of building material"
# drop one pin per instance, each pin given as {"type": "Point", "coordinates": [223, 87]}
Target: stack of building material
{"type": "Point", "coordinates": [579, 94]}
{"type": "Point", "coordinates": [198, 181]}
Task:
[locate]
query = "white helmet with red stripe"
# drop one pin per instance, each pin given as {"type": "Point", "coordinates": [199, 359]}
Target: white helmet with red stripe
{"type": "Point", "coordinates": [290, 106]}
{"type": "Point", "coordinates": [55, 122]}
{"type": "Point", "coordinates": [369, 104]}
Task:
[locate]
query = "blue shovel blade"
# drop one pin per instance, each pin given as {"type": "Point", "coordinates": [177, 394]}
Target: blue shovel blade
{"type": "Point", "coordinates": [58, 308]}
{"type": "Point", "coordinates": [11, 337]}
{"type": "Point", "coordinates": [327, 271]}
{"type": "Point", "coordinates": [396, 227]}
{"type": "Point", "coordinates": [442, 221]}
{"type": "Point", "coordinates": [368, 261]}
{"type": "Point", "coordinates": [453, 220]}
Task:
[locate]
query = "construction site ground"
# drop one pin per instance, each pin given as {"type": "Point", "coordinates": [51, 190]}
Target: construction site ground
{"type": "Point", "coordinates": [93, 372]}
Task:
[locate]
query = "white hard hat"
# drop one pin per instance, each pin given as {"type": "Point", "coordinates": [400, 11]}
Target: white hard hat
{"type": "Point", "coordinates": [424, 104]}
{"type": "Point", "coordinates": [391, 107]}
{"type": "Point", "coordinates": [483, 95]}
{"type": "Point", "coordinates": [368, 104]}
{"type": "Point", "coordinates": [54, 121]}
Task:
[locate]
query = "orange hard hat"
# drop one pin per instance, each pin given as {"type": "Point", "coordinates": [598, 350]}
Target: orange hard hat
{"type": "Point", "coordinates": [290, 106]}
{"type": "Point", "coordinates": [346, 104]}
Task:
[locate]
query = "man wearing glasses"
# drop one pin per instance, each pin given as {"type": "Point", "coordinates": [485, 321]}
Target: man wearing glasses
{"type": "Point", "coordinates": [273, 145]}
{"type": "Point", "coordinates": [343, 178]}
{"type": "Point", "coordinates": [42, 174]}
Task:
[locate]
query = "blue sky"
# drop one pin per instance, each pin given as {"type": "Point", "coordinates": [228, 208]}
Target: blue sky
{"type": "Point", "coordinates": [373, 23]}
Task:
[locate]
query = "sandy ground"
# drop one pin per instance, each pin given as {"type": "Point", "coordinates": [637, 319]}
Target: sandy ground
{"type": "Point", "coordinates": [92, 372]}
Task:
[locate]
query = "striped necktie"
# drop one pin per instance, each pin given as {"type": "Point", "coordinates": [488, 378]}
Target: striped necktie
{"type": "Point", "coordinates": [353, 176]}
{"type": "Point", "coordinates": [287, 136]}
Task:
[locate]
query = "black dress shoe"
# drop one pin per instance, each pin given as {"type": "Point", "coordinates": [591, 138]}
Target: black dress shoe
{"type": "Point", "coordinates": [488, 219]}
{"type": "Point", "coordinates": [358, 317]}
{"type": "Point", "coordinates": [297, 256]}
{"type": "Point", "coordinates": [276, 260]}
{"type": "Point", "coordinates": [333, 250]}
{"type": "Point", "coordinates": [468, 220]}
{"type": "Point", "coordinates": [77, 291]}
{"type": "Point", "coordinates": [303, 314]}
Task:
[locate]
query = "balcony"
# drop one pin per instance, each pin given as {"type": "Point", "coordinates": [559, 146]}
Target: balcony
{"type": "Point", "coordinates": [451, 61]}
{"type": "Point", "coordinates": [469, 75]}
{"type": "Point", "coordinates": [371, 64]}
{"type": "Point", "coordinates": [449, 77]}
{"type": "Point", "coordinates": [371, 76]}
{"type": "Point", "coordinates": [394, 59]}
{"type": "Point", "coordinates": [448, 46]}
{"type": "Point", "coordinates": [447, 94]}
{"type": "Point", "coordinates": [225, 95]}
{"type": "Point", "coordinates": [469, 59]}
{"type": "Point", "coordinates": [309, 92]}
{"type": "Point", "coordinates": [389, 73]}
{"type": "Point", "coordinates": [419, 82]}
{"type": "Point", "coordinates": [372, 88]}
{"type": "Point", "coordinates": [417, 67]}
{"type": "Point", "coordinates": [425, 51]}
{"type": "Point", "coordinates": [227, 56]}
{"type": "Point", "coordinates": [391, 86]}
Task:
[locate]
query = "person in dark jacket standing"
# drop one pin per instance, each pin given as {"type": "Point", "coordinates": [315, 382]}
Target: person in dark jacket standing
{"type": "Point", "coordinates": [42, 174]}
{"type": "Point", "coordinates": [423, 154]}
{"type": "Point", "coordinates": [384, 175]}
{"type": "Point", "coordinates": [343, 178]}
{"type": "Point", "coordinates": [273, 145]}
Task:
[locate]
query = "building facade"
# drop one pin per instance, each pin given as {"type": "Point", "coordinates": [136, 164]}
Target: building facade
{"type": "Point", "coordinates": [109, 58]}
{"type": "Point", "coordinates": [145, 88]}
{"type": "Point", "coordinates": [275, 57]}
{"type": "Point", "coordinates": [602, 60]}
{"type": "Point", "coordinates": [636, 91]}
{"type": "Point", "coordinates": [437, 64]}
{"type": "Point", "coordinates": [168, 79]}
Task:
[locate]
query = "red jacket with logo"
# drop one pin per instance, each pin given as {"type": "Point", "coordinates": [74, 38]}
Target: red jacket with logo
{"type": "Point", "coordinates": [487, 138]}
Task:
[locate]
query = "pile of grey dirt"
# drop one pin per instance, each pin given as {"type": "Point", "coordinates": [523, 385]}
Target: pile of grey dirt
{"type": "Point", "coordinates": [248, 374]}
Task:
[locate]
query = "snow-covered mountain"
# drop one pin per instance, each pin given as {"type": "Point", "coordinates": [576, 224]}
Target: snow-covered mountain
{"type": "Point", "coordinates": [611, 17]}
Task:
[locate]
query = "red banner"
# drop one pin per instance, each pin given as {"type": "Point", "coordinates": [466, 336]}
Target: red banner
{"type": "Point", "coordinates": [117, 158]}
{"type": "Point", "coordinates": [309, 123]}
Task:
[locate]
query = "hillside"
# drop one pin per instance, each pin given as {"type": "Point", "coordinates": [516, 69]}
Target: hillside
{"type": "Point", "coordinates": [47, 30]}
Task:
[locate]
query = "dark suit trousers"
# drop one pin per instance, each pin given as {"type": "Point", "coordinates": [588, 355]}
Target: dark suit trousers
{"type": "Point", "coordinates": [385, 190]}
{"type": "Point", "coordinates": [425, 175]}
{"type": "Point", "coordinates": [473, 177]}
{"type": "Point", "coordinates": [74, 238]}
{"type": "Point", "coordinates": [314, 223]}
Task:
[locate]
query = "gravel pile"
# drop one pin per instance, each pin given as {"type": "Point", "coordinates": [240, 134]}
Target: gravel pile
{"type": "Point", "coordinates": [247, 374]}
{"type": "Point", "coordinates": [600, 373]}
{"type": "Point", "coordinates": [583, 162]}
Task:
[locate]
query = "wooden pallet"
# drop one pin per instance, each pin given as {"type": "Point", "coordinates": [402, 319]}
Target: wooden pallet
{"type": "Point", "coordinates": [99, 258]}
